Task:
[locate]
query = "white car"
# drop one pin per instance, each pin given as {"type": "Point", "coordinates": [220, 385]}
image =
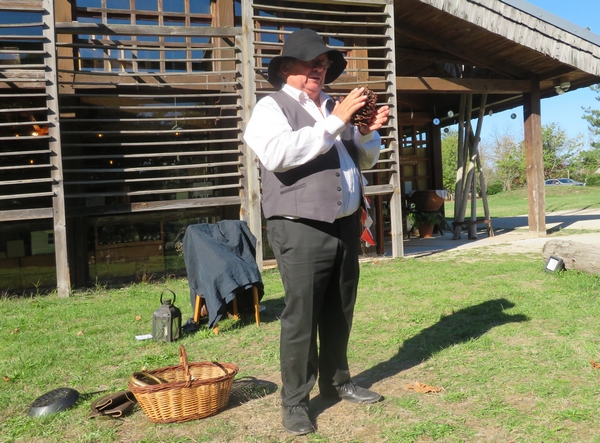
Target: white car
{"type": "Point", "coordinates": [563, 181]}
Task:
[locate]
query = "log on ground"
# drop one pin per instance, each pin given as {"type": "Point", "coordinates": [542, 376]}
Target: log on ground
{"type": "Point", "coordinates": [576, 256]}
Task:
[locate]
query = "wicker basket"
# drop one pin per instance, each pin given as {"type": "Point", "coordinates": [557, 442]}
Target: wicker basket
{"type": "Point", "coordinates": [189, 390]}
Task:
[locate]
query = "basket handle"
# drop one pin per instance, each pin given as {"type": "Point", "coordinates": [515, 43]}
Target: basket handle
{"type": "Point", "coordinates": [184, 361]}
{"type": "Point", "coordinates": [186, 367]}
{"type": "Point", "coordinates": [221, 367]}
{"type": "Point", "coordinates": [141, 379]}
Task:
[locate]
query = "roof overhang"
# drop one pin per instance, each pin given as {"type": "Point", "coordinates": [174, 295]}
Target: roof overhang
{"type": "Point", "coordinates": [501, 48]}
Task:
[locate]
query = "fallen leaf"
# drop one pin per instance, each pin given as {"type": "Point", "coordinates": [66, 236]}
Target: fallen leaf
{"type": "Point", "coordinates": [15, 331]}
{"type": "Point", "coordinates": [80, 333]}
{"type": "Point", "coordinates": [138, 317]}
{"type": "Point", "coordinates": [6, 378]}
{"type": "Point", "coordinates": [595, 365]}
{"type": "Point", "coordinates": [423, 388]}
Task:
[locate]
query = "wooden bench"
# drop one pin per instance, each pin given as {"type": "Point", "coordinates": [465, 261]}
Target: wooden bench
{"type": "Point", "coordinates": [470, 223]}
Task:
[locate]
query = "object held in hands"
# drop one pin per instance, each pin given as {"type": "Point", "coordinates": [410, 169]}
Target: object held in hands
{"type": "Point", "coordinates": [364, 115]}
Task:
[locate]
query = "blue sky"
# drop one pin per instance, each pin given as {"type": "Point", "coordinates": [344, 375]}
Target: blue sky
{"type": "Point", "coordinates": [565, 110]}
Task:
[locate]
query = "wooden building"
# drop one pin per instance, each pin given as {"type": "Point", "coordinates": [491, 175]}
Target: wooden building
{"type": "Point", "coordinates": [121, 121]}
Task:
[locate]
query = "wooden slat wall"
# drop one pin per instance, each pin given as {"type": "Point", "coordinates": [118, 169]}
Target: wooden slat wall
{"type": "Point", "coordinates": [154, 110]}
{"type": "Point", "coordinates": [363, 31]}
{"type": "Point", "coordinates": [26, 186]}
{"type": "Point", "coordinates": [152, 104]}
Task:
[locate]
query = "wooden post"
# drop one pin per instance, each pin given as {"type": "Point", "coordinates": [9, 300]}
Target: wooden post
{"type": "Point", "coordinates": [460, 167]}
{"type": "Point", "coordinates": [66, 62]}
{"type": "Point", "coordinates": [58, 201]}
{"type": "Point", "coordinates": [478, 170]}
{"type": "Point", "coordinates": [469, 168]}
{"type": "Point", "coordinates": [223, 16]}
{"type": "Point", "coordinates": [250, 210]}
{"type": "Point", "coordinates": [396, 203]}
{"type": "Point", "coordinates": [534, 159]}
{"type": "Point", "coordinates": [482, 184]}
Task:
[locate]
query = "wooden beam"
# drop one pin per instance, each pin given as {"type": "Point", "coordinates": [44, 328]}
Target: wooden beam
{"type": "Point", "coordinates": [414, 118]}
{"type": "Point", "coordinates": [223, 16]}
{"type": "Point", "coordinates": [358, 61]}
{"type": "Point", "coordinates": [26, 214]}
{"type": "Point", "coordinates": [534, 159]}
{"type": "Point", "coordinates": [104, 29]}
{"type": "Point", "coordinates": [65, 54]}
{"type": "Point", "coordinates": [436, 85]}
{"type": "Point", "coordinates": [432, 40]}
{"type": "Point", "coordinates": [396, 198]}
{"type": "Point", "coordinates": [250, 209]}
{"type": "Point", "coordinates": [22, 5]}
{"type": "Point", "coordinates": [199, 81]}
{"type": "Point", "coordinates": [63, 279]}
{"type": "Point", "coordinates": [432, 56]}
{"type": "Point", "coordinates": [383, 189]}
{"type": "Point", "coordinates": [165, 205]}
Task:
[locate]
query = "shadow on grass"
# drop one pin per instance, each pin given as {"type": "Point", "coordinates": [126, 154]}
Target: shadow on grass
{"type": "Point", "coordinates": [245, 389]}
{"type": "Point", "coordinates": [459, 327]}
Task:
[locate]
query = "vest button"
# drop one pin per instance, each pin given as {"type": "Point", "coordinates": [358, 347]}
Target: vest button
{"type": "Point", "coordinates": [337, 174]}
{"type": "Point", "coordinates": [339, 189]}
{"type": "Point", "coordinates": [339, 203]}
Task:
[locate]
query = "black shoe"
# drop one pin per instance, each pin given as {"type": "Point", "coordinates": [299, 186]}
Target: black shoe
{"type": "Point", "coordinates": [295, 420]}
{"type": "Point", "coordinates": [349, 391]}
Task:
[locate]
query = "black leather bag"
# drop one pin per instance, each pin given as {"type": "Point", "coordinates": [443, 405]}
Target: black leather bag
{"type": "Point", "coordinates": [114, 405]}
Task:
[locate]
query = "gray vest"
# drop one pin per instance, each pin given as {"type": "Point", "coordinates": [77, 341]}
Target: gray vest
{"type": "Point", "coordinates": [312, 190]}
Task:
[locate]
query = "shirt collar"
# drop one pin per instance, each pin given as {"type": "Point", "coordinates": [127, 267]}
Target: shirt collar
{"type": "Point", "coordinates": [301, 96]}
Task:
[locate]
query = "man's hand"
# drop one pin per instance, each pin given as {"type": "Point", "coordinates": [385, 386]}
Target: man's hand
{"type": "Point", "coordinates": [346, 108]}
{"type": "Point", "coordinates": [379, 119]}
{"type": "Point", "coordinates": [355, 100]}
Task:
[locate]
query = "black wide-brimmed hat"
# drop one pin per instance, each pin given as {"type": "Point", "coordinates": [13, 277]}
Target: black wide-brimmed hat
{"type": "Point", "coordinates": [306, 45]}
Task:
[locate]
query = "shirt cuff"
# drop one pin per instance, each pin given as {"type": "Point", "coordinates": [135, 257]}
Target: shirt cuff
{"type": "Point", "coordinates": [364, 139]}
{"type": "Point", "coordinates": [334, 125]}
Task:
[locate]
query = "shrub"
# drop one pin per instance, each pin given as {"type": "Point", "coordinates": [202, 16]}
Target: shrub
{"type": "Point", "coordinates": [494, 188]}
{"type": "Point", "coordinates": [592, 180]}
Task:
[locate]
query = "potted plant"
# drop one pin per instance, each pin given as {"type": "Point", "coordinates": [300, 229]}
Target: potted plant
{"type": "Point", "coordinates": [424, 222]}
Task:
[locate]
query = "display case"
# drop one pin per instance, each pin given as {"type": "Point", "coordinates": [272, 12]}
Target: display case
{"type": "Point", "coordinates": [122, 250]}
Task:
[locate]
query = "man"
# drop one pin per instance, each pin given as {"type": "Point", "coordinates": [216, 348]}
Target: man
{"type": "Point", "coordinates": [311, 158]}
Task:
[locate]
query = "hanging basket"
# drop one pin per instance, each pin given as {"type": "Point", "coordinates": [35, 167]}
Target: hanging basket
{"type": "Point", "coordinates": [183, 392]}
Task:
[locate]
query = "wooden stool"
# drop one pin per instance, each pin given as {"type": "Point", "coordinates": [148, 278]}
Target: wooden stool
{"type": "Point", "coordinates": [200, 303]}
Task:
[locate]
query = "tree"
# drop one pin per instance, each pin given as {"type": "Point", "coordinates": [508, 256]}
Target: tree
{"type": "Point", "coordinates": [509, 157]}
{"type": "Point", "coordinates": [593, 118]}
{"type": "Point", "coordinates": [560, 154]}
{"type": "Point", "coordinates": [449, 160]}
{"type": "Point", "coordinates": [590, 159]}
{"type": "Point", "coordinates": [559, 151]}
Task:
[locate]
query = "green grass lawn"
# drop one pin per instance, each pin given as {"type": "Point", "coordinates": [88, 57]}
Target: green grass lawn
{"type": "Point", "coordinates": [512, 203]}
{"type": "Point", "coordinates": [510, 346]}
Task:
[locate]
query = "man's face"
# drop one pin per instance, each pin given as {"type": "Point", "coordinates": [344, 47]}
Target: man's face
{"type": "Point", "coordinates": [308, 77]}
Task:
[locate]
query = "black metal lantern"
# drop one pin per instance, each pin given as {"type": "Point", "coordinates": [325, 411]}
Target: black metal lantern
{"type": "Point", "coordinates": [166, 320]}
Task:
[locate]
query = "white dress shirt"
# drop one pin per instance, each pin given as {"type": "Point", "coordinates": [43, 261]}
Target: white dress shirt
{"type": "Point", "coordinates": [279, 148]}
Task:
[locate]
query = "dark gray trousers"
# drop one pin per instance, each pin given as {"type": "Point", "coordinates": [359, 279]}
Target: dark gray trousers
{"type": "Point", "coordinates": [318, 263]}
